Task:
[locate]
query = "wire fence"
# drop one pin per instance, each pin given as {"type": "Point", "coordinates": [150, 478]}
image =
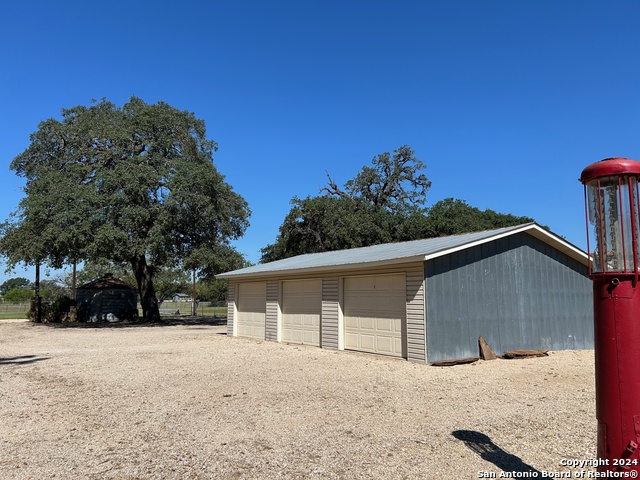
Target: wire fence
{"type": "Point", "coordinates": [14, 307]}
{"type": "Point", "coordinates": [14, 310]}
{"type": "Point", "coordinates": [204, 309]}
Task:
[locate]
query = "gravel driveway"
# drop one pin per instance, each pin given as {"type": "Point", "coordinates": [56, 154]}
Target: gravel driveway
{"type": "Point", "coordinates": [188, 402]}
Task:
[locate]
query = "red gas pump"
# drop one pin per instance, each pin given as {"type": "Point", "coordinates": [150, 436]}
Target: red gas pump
{"type": "Point", "coordinates": [613, 236]}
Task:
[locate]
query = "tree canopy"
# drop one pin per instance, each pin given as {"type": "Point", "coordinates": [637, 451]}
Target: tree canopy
{"type": "Point", "coordinates": [383, 203]}
{"type": "Point", "coordinates": [18, 295]}
{"type": "Point", "coordinates": [393, 183]}
{"type": "Point", "coordinates": [18, 282]}
{"type": "Point", "coordinates": [133, 184]}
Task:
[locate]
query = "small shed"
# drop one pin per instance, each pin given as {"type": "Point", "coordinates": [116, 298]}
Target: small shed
{"type": "Point", "coordinates": [106, 299]}
{"type": "Point", "coordinates": [520, 287]}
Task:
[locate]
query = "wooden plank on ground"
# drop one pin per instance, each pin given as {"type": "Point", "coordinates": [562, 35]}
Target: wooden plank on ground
{"type": "Point", "coordinates": [455, 361]}
{"type": "Point", "coordinates": [525, 354]}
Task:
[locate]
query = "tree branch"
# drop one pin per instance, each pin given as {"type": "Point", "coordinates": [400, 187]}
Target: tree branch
{"type": "Point", "coordinates": [333, 188]}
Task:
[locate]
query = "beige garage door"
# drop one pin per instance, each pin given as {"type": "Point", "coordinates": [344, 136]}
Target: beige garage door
{"type": "Point", "coordinates": [374, 312]}
{"type": "Point", "coordinates": [301, 309]}
{"type": "Point", "coordinates": [252, 306]}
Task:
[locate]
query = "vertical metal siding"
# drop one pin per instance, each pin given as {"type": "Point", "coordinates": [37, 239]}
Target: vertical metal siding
{"type": "Point", "coordinates": [230, 308]}
{"type": "Point", "coordinates": [271, 316]}
{"type": "Point", "coordinates": [517, 292]}
{"type": "Point", "coordinates": [416, 334]}
{"type": "Point", "coordinates": [330, 309]}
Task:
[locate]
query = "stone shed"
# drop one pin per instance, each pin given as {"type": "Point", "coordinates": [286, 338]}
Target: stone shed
{"type": "Point", "coordinates": [107, 299]}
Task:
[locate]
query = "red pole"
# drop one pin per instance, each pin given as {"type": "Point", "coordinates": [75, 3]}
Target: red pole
{"type": "Point", "coordinates": [616, 314]}
{"type": "Point", "coordinates": [617, 364]}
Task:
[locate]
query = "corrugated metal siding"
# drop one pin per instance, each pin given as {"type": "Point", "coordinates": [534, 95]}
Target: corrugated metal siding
{"type": "Point", "coordinates": [271, 319]}
{"type": "Point", "coordinates": [230, 307]}
{"type": "Point", "coordinates": [330, 312]}
{"type": "Point", "coordinates": [517, 292]}
{"type": "Point", "coordinates": [416, 335]}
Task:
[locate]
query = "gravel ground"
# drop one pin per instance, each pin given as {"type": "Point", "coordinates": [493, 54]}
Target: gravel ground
{"type": "Point", "coordinates": [188, 402]}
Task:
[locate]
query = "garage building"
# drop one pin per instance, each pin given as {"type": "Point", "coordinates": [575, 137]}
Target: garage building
{"type": "Point", "coordinates": [519, 287]}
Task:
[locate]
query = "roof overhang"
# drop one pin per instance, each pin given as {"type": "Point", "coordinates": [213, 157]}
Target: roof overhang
{"type": "Point", "coordinates": [338, 268]}
{"type": "Point", "coordinates": [532, 229]}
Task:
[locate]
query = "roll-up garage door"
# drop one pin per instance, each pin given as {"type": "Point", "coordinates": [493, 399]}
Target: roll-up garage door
{"type": "Point", "coordinates": [374, 312]}
{"type": "Point", "coordinates": [301, 310]}
{"type": "Point", "coordinates": [251, 302]}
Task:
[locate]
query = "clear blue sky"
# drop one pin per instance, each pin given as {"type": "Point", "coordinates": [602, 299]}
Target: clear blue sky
{"type": "Point", "coordinates": [505, 101]}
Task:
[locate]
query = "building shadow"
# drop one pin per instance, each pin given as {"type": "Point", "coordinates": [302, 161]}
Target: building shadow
{"type": "Point", "coordinates": [164, 322]}
{"type": "Point", "coordinates": [489, 451]}
{"type": "Point", "coordinates": [22, 360]}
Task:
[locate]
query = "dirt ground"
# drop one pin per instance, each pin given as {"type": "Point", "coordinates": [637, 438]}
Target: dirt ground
{"type": "Point", "coordinates": [184, 401]}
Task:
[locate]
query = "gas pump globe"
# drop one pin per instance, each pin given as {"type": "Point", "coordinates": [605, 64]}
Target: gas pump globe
{"type": "Point", "coordinates": [613, 234]}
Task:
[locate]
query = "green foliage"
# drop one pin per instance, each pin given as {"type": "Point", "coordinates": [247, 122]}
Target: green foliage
{"type": "Point", "coordinates": [213, 290]}
{"type": "Point", "coordinates": [51, 289]}
{"type": "Point", "coordinates": [453, 216]}
{"type": "Point", "coordinates": [393, 182]}
{"type": "Point", "coordinates": [321, 224]}
{"type": "Point", "coordinates": [92, 270]}
{"type": "Point", "coordinates": [370, 209]}
{"type": "Point", "coordinates": [53, 310]}
{"type": "Point", "coordinates": [18, 295]}
{"type": "Point", "coordinates": [134, 184]}
{"type": "Point", "coordinates": [169, 281]}
{"type": "Point", "coordinates": [382, 204]}
{"type": "Point", "coordinates": [19, 282]}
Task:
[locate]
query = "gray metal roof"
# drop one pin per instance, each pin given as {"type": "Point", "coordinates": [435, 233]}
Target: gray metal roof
{"type": "Point", "coordinates": [401, 252]}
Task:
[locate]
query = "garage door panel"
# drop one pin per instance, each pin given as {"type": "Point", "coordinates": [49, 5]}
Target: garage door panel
{"type": "Point", "coordinates": [367, 342]}
{"type": "Point", "coordinates": [386, 325]}
{"type": "Point", "coordinates": [301, 310]}
{"type": "Point", "coordinates": [374, 312]}
{"type": "Point", "coordinates": [252, 304]}
{"type": "Point", "coordinates": [385, 344]}
{"type": "Point", "coordinates": [311, 338]}
{"type": "Point", "coordinates": [294, 336]}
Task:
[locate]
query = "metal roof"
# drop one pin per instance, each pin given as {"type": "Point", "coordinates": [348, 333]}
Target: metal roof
{"type": "Point", "coordinates": [401, 252]}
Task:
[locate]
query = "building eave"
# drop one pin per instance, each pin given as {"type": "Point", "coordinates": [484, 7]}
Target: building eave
{"type": "Point", "coordinates": [333, 265]}
{"type": "Point", "coordinates": [532, 229]}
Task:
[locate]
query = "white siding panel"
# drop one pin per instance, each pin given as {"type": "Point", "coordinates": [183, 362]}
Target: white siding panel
{"type": "Point", "coordinates": [230, 308]}
{"type": "Point", "coordinates": [416, 331]}
{"type": "Point", "coordinates": [330, 312]}
{"type": "Point", "coordinates": [271, 320]}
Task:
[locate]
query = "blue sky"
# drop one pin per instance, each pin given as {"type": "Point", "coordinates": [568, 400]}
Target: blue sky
{"type": "Point", "coordinates": [505, 101]}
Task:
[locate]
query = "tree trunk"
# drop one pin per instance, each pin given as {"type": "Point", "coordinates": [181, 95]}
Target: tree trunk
{"type": "Point", "coordinates": [148, 300]}
{"type": "Point", "coordinates": [38, 297]}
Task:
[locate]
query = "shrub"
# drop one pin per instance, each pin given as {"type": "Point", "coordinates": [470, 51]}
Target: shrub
{"type": "Point", "coordinates": [54, 310]}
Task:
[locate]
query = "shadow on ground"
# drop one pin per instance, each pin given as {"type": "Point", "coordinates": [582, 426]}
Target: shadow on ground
{"type": "Point", "coordinates": [489, 451]}
{"type": "Point", "coordinates": [164, 322]}
{"type": "Point", "coordinates": [22, 360]}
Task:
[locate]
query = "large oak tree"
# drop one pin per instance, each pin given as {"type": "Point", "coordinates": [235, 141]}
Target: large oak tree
{"type": "Point", "coordinates": [383, 203]}
{"type": "Point", "coordinates": [133, 184]}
